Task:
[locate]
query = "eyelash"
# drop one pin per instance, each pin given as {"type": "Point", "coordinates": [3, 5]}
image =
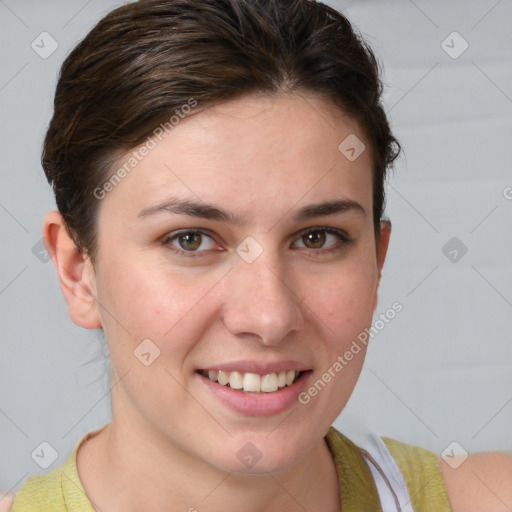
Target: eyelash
{"type": "Point", "coordinates": [343, 238]}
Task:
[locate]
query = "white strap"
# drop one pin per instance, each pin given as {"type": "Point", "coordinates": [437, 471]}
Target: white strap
{"type": "Point", "coordinates": [391, 487]}
{"type": "Point", "coordinates": [389, 480]}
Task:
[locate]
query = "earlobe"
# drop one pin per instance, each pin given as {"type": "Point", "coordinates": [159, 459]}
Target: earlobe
{"type": "Point", "coordinates": [74, 271]}
{"type": "Point", "coordinates": [383, 243]}
{"type": "Point", "coordinates": [381, 247]}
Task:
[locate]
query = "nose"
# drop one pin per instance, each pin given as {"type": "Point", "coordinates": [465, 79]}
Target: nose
{"type": "Point", "coordinates": [261, 301]}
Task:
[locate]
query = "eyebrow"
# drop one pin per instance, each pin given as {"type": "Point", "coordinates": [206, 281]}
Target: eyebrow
{"type": "Point", "coordinates": [212, 212]}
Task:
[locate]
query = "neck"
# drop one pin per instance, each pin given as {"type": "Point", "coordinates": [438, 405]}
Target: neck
{"type": "Point", "coordinates": [128, 467]}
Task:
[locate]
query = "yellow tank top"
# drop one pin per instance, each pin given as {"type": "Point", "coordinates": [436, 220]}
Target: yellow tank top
{"type": "Point", "coordinates": [60, 490]}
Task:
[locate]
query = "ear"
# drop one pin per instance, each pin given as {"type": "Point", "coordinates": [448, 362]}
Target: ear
{"type": "Point", "coordinates": [381, 247]}
{"type": "Point", "coordinates": [74, 270]}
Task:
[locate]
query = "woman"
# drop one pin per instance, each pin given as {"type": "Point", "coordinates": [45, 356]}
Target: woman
{"type": "Point", "coordinates": [218, 168]}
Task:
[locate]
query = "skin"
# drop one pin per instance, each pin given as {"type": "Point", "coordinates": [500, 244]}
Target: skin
{"type": "Point", "coordinates": [290, 303]}
{"type": "Point", "coordinates": [171, 444]}
{"type": "Point", "coordinates": [482, 482]}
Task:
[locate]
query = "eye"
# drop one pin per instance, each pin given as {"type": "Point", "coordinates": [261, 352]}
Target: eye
{"type": "Point", "coordinates": [195, 242]}
{"type": "Point", "coordinates": [187, 242]}
{"type": "Point", "coordinates": [328, 239]}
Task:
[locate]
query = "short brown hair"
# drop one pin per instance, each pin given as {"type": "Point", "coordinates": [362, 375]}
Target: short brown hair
{"type": "Point", "coordinates": [145, 59]}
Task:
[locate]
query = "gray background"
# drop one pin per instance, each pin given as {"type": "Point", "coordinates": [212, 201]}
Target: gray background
{"type": "Point", "coordinates": [441, 371]}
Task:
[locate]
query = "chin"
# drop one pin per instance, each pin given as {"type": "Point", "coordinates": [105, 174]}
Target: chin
{"type": "Point", "coordinates": [257, 454]}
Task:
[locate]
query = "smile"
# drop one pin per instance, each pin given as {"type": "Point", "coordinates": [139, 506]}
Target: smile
{"type": "Point", "coordinates": [252, 382]}
{"type": "Point", "coordinates": [250, 402]}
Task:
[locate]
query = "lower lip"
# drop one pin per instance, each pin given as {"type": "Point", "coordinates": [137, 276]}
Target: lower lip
{"type": "Point", "coordinates": [258, 404]}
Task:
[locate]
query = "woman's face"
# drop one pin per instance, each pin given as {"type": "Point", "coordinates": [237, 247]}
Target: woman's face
{"type": "Point", "coordinates": [208, 262]}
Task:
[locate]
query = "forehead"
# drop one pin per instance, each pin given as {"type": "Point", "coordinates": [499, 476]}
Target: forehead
{"type": "Point", "coordinates": [263, 154]}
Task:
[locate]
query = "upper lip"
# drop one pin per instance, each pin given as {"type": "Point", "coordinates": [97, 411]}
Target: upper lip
{"type": "Point", "coordinates": [257, 367]}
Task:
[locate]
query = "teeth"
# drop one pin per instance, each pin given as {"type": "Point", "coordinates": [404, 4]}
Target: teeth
{"type": "Point", "coordinates": [269, 382]}
{"type": "Point", "coordinates": [236, 380]}
{"type": "Point", "coordinates": [222, 377]}
{"type": "Point", "coordinates": [252, 382]}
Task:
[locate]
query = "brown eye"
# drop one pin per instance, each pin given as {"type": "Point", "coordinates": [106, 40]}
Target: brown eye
{"type": "Point", "coordinates": [323, 240]}
{"type": "Point", "coordinates": [190, 241]}
{"type": "Point", "coordinates": [314, 239]}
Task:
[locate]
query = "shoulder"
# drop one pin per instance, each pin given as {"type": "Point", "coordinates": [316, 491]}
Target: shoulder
{"type": "Point", "coordinates": [481, 482]}
{"type": "Point", "coordinates": [6, 502]}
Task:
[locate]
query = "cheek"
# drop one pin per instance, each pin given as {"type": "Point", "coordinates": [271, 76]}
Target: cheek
{"type": "Point", "coordinates": [343, 300]}
{"type": "Point", "coordinates": [145, 301]}
{"type": "Point", "coordinates": [343, 307]}
{"type": "Point", "coordinates": [174, 306]}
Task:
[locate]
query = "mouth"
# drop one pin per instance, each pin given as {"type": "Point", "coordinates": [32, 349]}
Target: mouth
{"type": "Point", "coordinates": [248, 382]}
{"type": "Point", "coordinates": [256, 389]}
